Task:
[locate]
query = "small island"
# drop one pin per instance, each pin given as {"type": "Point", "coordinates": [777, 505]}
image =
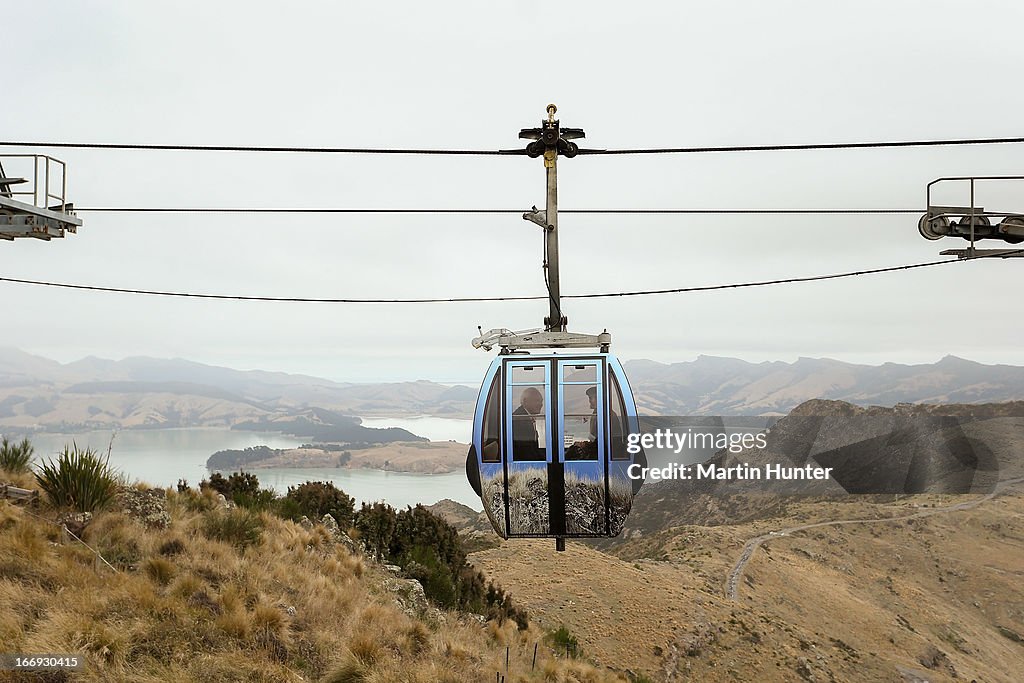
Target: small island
{"type": "Point", "coordinates": [341, 441]}
{"type": "Point", "coordinates": [422, 457]}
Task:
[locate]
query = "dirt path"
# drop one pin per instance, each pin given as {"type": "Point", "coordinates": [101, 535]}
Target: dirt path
{"type": "Point", "coordinates": [750, 547]}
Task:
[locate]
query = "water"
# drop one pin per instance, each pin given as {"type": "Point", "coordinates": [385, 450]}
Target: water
{"type": "Point", "coordinates": [160, 457]}
{"type": "Point", "coordinates": [434, 428]}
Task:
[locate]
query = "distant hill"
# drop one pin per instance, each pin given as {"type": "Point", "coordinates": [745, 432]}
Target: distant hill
{"type": "Point", "coordinates": [38, 393]}
{"type": "Point", "coordinates": [96, 393]}
{"type": "Point", "coordinates": [727, 386]}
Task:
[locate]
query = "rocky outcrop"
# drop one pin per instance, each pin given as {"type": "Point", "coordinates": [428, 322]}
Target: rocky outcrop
{"type": "Point", "coordinates": [337, 534]}
{"type": "Point", "coordinates": [904, 449]}
{"type": "Point", "coordinates": [148, 506]}
{"type": "Point", "coordinates": [75, 522]}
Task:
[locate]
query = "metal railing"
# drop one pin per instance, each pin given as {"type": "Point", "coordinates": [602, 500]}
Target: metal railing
{"type": "Point", "coordinates": [44, 183]}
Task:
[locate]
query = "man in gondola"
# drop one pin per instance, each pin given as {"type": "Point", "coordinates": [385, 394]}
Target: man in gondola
{"type": "Point", "coordinates": [592, 397]}
{"type": "Point", "coordinates": [616, 423]}
{"type": "Point", "coordinates": [525, 438]}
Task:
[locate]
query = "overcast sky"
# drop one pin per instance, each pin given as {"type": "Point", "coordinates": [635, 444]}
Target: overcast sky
{"type": "Point", "coordinates": [471, 74]}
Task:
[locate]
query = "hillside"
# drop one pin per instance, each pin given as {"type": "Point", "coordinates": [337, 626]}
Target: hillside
{"type": "Point", "coordinates": [734, 580]}
{"type": "Point", "coordinates": [199, 594]}
{"type": "Point", "coordinates": [904, 449]}
{"type": "Point", "coordinates": [937, 598]}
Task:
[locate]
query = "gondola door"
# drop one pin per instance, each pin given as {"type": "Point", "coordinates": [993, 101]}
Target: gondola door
{"type": "Point", "coordinates": [528, 445]}
{"type": "Point", "coordinates": [581, 450]}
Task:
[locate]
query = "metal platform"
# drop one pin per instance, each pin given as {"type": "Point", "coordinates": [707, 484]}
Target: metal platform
{"type": "Point", "coordinates": [33, 198]}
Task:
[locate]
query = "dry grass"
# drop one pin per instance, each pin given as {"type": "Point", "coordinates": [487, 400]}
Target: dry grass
{"type": "Point", "coordinates": [21, 479]}
{"type": "Point", "coordinates": [187, 606]}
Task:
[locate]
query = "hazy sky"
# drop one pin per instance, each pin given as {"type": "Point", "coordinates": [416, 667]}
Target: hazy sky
{"type": "Point", "coordinates": [471, 74]}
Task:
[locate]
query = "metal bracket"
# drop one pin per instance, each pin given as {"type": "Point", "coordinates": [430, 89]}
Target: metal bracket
{"type": "Point", "coordinates": [40, 227]}
{"type": "Point", "coordinates": [987, 253]}
{"type": "Point", "coordinates": [537, 216]}
{"type": "Point", "coordinates": [510, 341]}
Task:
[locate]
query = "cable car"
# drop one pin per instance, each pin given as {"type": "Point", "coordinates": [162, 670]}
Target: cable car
{"type": "Point", "coordinates": [550, 455]}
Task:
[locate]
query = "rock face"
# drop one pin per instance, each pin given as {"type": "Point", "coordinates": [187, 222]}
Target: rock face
{"type": "Point", "coordinates": [149, 506]}
{"type": "Point", "coordinates": [337, 534]}
{"type": "Point", "coordinates": [899, 450]}
{"type": "Point", "coordinates": [409, 595]}
{"type": "Point", "coordinates": [331, 525]}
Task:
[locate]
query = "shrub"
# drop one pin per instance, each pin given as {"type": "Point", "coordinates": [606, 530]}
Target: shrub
{"type": "Point", "coordinates": [239, 527]}
{"type": "Point", "coordinates": [376, 526]}
{"type": "Point", "coordinates": [15, 457]}
{"type": "Point", "coordinates": [423, 564]}
{"type": "Point", "coordinates": [79, 479]}
{"type": "Point", "coordinates": [242, 488]}
{"type": "Point", "coordinates": [562, 640]}
{"type": "Point", "coordinates": [500, 606]}
{"type": "Point", "coordinates": [287, 508]}
{"type": "Point", "coordinates": [262, 499]}
{"type": "Point", "coordinates": [217, 482]}
{"type": "Point", "coordinates": [243, 484]}
{"type": "Point", "coordinates": [430, 550]}
{"type": "Point", "coordinates": [419, 527]}
{"type": "Point", "coordinates": [314, 499]}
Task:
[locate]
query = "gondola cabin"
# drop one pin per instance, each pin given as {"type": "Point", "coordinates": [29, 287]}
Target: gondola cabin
{"type": "Point", "coordinates": [550, 456]}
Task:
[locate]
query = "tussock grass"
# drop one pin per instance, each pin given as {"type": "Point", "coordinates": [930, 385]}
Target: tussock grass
{"type": "Point", "coordinates": [159, 570]}
{"type": "Point", "coordinates": [171, 547]}
{"type": "Point", "coordinates": [292, 604]}
{"type": "Point", "coordinates": [239, 527]}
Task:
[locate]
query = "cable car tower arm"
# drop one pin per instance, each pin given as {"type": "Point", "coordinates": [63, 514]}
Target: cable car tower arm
{"type": "Point", "coordinates": [549, 141]}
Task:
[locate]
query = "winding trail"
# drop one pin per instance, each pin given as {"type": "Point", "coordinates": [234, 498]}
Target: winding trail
{"type": "Point", "coordinates": [751, 546]}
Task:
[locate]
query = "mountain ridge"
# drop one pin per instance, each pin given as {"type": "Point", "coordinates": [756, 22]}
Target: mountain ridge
{"type": "Point", "coordinates": [140, 391]}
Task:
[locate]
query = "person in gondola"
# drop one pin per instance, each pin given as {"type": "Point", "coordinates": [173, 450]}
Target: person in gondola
{"type": "Point", "coordinates": [586, 450]}
{"type": "Point", "coordinates": [592, 396]}
{"type": "Point", "coordinates": [616, 423]}
{"type": "Point", "coordinates": [525, 438]}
